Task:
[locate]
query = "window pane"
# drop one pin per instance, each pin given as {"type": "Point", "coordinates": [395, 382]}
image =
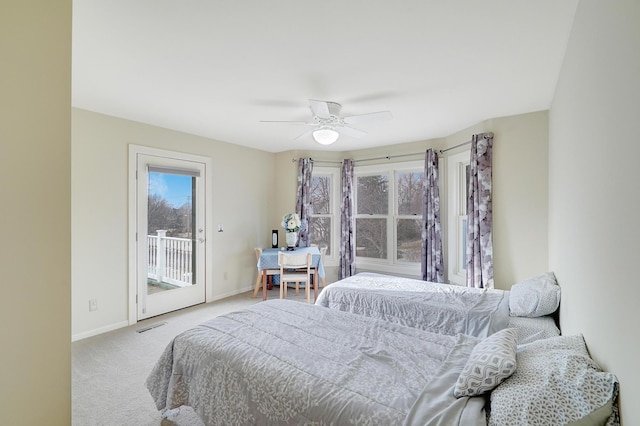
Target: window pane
{"type": "Point", "coordinates": [321, 194]}
{"type": "Point", "coordinates": [321, 232]}
{"type": "Point", "coordinates": [170, 224]}
{"type": "Point", "coordinates": [169, 204]}
{"type": "Point", "coordinates": [464, 176]}
{"type": "Point", "coordinates": [409, 242]}
{"type": "Point", "coordinates": [371, 238]}
{"type": "Point", "coordinates": [373, 194]}
{"type": "Point", "coordinates": [410, 192]}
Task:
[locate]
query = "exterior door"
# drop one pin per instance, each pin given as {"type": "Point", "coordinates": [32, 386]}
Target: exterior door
{"type": "Point", "coordinates": [170, 234]}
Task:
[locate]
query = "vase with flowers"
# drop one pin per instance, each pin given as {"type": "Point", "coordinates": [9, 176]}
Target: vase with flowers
{"type": "Point", "coordinates": [291, 223]}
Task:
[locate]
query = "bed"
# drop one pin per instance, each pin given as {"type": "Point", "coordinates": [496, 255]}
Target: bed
{"type": "Point", "coordinates": [285, 362]}
{"type": "Point", "coordinates": [445, 308]}
{"type": "Point", "coordinates": [442, 308]}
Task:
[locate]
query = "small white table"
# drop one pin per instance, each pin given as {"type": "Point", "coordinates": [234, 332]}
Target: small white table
{"type": "Point", "coordinates": [269, 261]}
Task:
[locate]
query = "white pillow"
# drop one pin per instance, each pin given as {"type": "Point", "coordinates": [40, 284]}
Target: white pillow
{"type": "Point", "coordinates": [535, 297]}
{"type": "Point", "coordinates": [556, 383]}
{"type": "Point", "coordinates": [490, 362]}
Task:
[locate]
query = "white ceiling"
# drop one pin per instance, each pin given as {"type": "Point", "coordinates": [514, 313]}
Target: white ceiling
{"type": "Point", "coordinates": [215, 68]}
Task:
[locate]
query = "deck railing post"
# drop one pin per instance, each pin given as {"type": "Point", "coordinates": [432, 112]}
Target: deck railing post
{"type": "Point", "coordinates": [161, 255]}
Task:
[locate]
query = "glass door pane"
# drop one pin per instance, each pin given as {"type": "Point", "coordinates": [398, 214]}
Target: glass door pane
{"type": "Point", "coordinates": [170, 236]}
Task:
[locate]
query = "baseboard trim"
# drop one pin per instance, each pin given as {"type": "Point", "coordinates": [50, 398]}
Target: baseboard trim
{"type": "Point", "coordinates": [100, 330]}
{"type": "Point", "coordinates": [122, 324]}
{"type": "Point", "coordinates": [228, 294]}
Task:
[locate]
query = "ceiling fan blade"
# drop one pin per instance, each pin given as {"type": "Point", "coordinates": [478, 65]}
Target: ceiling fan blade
{"type": "Point", "coordinates": [319, 108]}
{"type": "Point", "coordinates": [366, 118]}
{"type": "Point", "coordinates": [302, 123]}
{"type": "Point", "coordinates": [303, 134]}
{"type": "Point", "coordinates": [350, 131]}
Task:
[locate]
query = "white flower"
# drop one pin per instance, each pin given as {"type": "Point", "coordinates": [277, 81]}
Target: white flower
{"type": "Point", "coordinates": [291, 222]}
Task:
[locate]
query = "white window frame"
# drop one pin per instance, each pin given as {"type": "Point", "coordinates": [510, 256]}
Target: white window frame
{"type": "Point", "coordinates": [457, 214]}
{"type": "Point", "coordinates": [331, 259]}
{"type": "Point", "coordinates": [389, 265]}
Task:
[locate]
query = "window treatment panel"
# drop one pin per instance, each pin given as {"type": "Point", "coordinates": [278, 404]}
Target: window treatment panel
{"type": "Point", "coordinates": [432, 263]}
{"type": "Point", "coordinates": [479, 213]}
{"type": "Point", "coordinates": [303, 199]}
{"type": "Point", "coordinates": [347, 266]}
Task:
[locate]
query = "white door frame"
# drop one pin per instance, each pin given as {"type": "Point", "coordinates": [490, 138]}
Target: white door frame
{"type": "Point", "coordinates": [134, 150]}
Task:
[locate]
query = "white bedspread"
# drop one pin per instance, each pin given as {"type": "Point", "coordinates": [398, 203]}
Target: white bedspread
{"type": "Point", "coordinates": [441, 308]}
{"type": "Point", "coordinates": [285, 362]}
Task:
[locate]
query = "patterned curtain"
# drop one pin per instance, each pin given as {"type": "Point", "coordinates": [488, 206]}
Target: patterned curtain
{"type": "Point", "coordinates": [303, 199]}
{"type": "Point", "coordinates": [479, 214]}
{"type": "Point", "coordinates": [347, 266]}
{"type": "Point", "coordinates": [432, 263]}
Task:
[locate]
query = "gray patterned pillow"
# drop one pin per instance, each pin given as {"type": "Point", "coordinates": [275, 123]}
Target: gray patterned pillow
{"type": "Point", "coordinates": [532, 329]}
{"type": "Point", "coordinates": [490, 362]}
{"type": "Point", "coordinates": [535, 297]}
{"type": "Point", "coordinates": [556, 383]}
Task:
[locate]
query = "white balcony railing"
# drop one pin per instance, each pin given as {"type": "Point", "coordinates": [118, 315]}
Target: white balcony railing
{"type": "Point", "coordinates": [170, 259]}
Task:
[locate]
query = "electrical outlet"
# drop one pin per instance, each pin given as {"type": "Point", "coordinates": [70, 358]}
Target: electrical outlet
{"type": "Point", "coordinates": [93, 304]}
{"type": "Point", "coordinates": [226, 276]}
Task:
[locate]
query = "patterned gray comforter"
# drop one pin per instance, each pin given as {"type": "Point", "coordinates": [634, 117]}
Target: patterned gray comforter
{"type": "Point", "coordinates": [441, 308]}
{"type": "Point", "coordinates": [285, 362]}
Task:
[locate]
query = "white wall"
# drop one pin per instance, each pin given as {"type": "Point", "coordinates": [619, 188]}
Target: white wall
{"type": "Point", "coordinates": [35, 158]}
{"type": "Point", "coordinates": [594, 196]}
{"type": "Point", "coordinates": [244, 186]}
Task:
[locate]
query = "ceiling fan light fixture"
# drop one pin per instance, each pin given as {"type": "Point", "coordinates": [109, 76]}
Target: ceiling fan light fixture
{"type": "Point", "coordinates": [325, 136]}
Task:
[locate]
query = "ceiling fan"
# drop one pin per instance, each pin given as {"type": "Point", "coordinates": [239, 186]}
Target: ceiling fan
{"type": "Point", "coordinates": [327, 125]}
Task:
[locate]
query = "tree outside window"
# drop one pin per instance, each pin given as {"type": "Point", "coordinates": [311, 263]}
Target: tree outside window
{"type": "Point", "coordinates": [410, 196]}
{"type": "Point", "coordinates": [372, 206]}
{"type": "Point", "coordinates": [321, 214]}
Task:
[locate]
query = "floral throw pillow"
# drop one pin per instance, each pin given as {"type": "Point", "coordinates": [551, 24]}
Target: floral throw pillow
{"type": "Point", "coordinates": [490, 363]}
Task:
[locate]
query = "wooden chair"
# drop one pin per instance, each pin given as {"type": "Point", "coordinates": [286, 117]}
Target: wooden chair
{"type": "Point", "coordinates": [295, 268]}
{"type": "Point", "coordinates": [270, 272]}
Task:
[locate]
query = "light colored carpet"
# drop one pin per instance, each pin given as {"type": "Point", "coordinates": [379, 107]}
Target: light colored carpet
{"type": "Point", "coordinates": [109, 370]}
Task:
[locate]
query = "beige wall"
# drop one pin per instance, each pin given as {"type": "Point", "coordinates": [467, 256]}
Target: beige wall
{"type": "Point", "coordinates": [243, 191]}
{"type": "Point", "coordinates": [520, 194]}
{"type": "Point", "coordinates": [35, 173]}
{"type": "Point", "coordinates": [594, 196]}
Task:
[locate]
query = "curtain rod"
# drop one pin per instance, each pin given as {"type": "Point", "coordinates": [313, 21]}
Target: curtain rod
{"type": "Point", "coordinates": [389, 157]}
{"type": "Point", "coordinates": [293, 160]}
{"type": "Point", "coordinates": [486, 136]}
{"type": "Point", "coordinates": [454, 147]}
